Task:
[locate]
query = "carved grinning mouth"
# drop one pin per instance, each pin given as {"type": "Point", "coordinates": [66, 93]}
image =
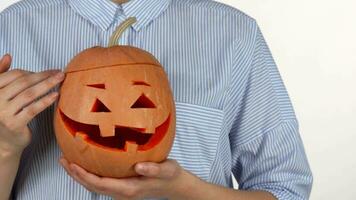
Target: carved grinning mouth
{"type": "Point", "coordinates": [125, 137]}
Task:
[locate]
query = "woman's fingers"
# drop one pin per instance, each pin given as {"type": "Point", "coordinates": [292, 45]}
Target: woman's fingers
{"type": "Point", "coordinates": [24, 82]}
{"type": "Point", "coordinates": [90, 180]}
{"type": "Point", "coordinates": [161, 178]}
{"type": "Point", "coordinates": [66, 167]}
{"type": "Point", "coordinates": [5, 63]}
{"type": "Point", "coordinates": [129, 188]}
{"type": "Point", "coordinates": [10, 76]}
{"type": "Point", "coordinates": [165, 170]}
{"type": "Point", "coordinates": [30, 94]}
{"type": "Point", "coordinates": [30, 111]}
{"type": "Point", "coordinates": [74, 174]}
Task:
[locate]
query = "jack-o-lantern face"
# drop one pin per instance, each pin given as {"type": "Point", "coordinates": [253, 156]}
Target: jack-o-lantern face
{"type": "Point", "coordinates": [115, 109]}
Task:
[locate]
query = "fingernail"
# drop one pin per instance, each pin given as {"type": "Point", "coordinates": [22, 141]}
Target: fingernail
{"type": "Point", "coordinates": [61, 161]}
{"type": "Point", "coordinates": [142, 168]}
{"type": "Point", "coordinates": [71, 167]}
{"type": "Point", "coordinates": [74, 170]}
{"type": "Point", "coordinates": [2, 58]}
{"type": "Point", "coordinates": [59, 75]}
{"type": "Point", "coordinates": [55, 95]}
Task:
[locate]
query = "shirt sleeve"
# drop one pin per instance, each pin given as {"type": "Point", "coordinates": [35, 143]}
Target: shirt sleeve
{"type": "Point", "coordinates": [267, 151]}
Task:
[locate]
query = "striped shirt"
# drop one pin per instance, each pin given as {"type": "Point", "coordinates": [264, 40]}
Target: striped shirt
{"type": "Point", "coordinates": [234, 116]}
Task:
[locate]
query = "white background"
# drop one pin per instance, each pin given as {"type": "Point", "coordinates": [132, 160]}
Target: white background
{"type": "Point", "coordinates": [314, 45]}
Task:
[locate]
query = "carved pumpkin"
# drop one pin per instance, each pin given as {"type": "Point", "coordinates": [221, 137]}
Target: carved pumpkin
{"type": "Point", "coordinates": [115, 109]}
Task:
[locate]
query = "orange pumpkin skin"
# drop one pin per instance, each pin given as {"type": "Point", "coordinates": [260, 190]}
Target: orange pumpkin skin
{"type": "Point", "coordinates": [116, 109]}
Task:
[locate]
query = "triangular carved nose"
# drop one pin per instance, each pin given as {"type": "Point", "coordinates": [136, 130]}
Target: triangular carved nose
{"type": "Point", "coordinates": [99, 107]}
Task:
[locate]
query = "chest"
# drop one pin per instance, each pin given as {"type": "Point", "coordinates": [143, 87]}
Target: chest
{"type": "Point", "coordinates": [198, 73]}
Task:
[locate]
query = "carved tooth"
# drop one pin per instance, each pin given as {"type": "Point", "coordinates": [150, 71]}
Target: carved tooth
{"type": "Point", "coordinates": [131, 147]}
{"type": "Point", "coordinates": [106, 129]}
{"type": "Point", "coordinates": [80, 137]}
{"type": "Point", "coordinates": [149, 130]}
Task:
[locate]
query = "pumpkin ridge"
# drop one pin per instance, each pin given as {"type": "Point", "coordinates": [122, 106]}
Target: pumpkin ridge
{"type": "Point", "coordinates": [107, 66]}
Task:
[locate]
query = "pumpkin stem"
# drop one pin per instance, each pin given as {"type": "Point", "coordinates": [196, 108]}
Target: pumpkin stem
{"type": "Point", "coordinates": [120, 30]}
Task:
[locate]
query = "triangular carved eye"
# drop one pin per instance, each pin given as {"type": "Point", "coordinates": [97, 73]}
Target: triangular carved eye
{"type": "Point", "coordinates": [143, 102]}
{"type": "Point", "coordinates": [99, 86]}
{"type": "Point", "coordinates": [99, 107]}
{"type": "Point", "coordinates": [141, 83]}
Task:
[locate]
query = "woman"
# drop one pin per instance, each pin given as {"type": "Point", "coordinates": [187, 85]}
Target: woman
{"type": "Point", "coordinates": [233, 112]}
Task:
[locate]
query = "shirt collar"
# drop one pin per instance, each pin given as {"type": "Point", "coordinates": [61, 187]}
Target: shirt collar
{"type": "Point", "coordinates": [103, 12]}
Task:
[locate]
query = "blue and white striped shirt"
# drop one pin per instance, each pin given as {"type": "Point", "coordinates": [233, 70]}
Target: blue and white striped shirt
{"type": "Point", "coordinates": [234, 115]}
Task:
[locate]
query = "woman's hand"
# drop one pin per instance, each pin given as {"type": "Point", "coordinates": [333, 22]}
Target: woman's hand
{"type": "Point", "coordinates": [19, 91]}
{"type": "Point", "coordinates": [20, 102]}
{"type": "Point", "coordinates": [158, 180]}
